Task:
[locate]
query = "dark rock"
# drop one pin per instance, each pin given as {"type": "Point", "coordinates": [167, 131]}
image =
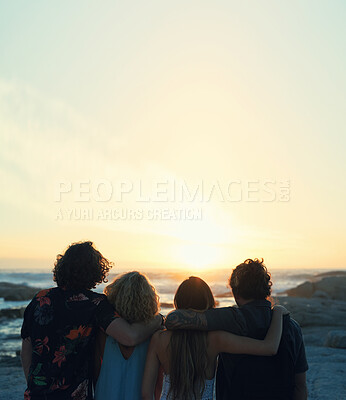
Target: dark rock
{"type": "Point", "coordinates": [315, 311]}
{"type": "Point", "coordinates": [336, 339]}
{"type": "Point", "coordinates": [226, 294]}
{"type": "Point", "coordinates": [330, 273]}
{"type": "Point", "coordinates": [167, 305]}
{"type": "Point", "coordinates": [320, 294]}
{"type": "Point", "coordinates": [306, 289]}
{"type": "Point", "coordinates": [12, 313]}
{"type": "Point", "coordinates": [9, 362]}
{"type": "Point", "coordinates": [15, 292]}
{"type": "Point", "coordinates": [333, 287]}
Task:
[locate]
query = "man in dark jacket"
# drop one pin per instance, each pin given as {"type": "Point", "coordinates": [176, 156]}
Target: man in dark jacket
{"type": "Point", "coordinates": [243, 377]}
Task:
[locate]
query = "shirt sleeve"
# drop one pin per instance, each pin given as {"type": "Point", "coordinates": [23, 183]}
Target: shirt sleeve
{"type": "Point", "coordinates": [105, 313]}
{"type": "Point", "coordinates": [301, 364]}
{"type": "Point", "coordinates": [228, 319]}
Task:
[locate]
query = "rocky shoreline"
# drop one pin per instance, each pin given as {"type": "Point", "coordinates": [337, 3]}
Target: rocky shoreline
{"type": "Point", "coordinates": [16, 292]}
{"type": "Point", "coordinates": [319, 305]}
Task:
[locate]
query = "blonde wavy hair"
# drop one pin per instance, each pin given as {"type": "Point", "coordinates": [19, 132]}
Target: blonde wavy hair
{"type": "Point", "coordinates": [133, 296]}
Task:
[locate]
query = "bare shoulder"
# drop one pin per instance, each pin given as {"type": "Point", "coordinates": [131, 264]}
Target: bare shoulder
{"type": "Point", "coordinates": [160, 344]}
{"type": "Point", "coordinates": [161, 338]}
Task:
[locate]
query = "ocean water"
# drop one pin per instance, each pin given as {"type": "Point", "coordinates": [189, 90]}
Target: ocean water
{"type": "Point", "coordinates": [166, 284]}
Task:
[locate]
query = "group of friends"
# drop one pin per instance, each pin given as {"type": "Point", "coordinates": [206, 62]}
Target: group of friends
{"type": "Point", "coordinates": [78, 344]}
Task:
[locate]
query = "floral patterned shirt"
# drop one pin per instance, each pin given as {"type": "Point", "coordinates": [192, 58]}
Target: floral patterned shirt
{"type": "Point", "coordinates": [62, 325]}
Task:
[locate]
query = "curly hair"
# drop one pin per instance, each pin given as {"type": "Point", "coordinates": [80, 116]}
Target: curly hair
{"type": "Point", "coordinates": [80, 267]}
{"type": "Point", "coordinates": [133, 297]}
{"type": "Point", "coordinates": [251, 280]}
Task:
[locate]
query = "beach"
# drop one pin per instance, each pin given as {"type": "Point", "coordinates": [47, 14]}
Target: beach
{"type": "Point", "coordinates": [326, 375]}
{"type": "Point", "coordinates": [317, 302]}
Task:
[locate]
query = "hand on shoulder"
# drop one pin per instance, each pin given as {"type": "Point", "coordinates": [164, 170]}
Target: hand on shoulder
{"type": "Point", "coordinates": [281, 309]}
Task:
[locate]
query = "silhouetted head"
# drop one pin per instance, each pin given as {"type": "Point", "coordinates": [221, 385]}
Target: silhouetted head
{"type": "Point", "coordinates": [133, 297]}
{"type": "Point", "coordinates": [251, 280]}
{"type": "Point", "coordinates": [80, 267]}
{"type": "Point", "coordinates": [195, 294]}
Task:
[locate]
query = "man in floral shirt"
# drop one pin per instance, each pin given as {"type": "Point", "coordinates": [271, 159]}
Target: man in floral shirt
{"type": "Point", "coordinates": [60, 326]}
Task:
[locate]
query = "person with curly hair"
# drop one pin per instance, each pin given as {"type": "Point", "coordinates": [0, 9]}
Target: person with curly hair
{"type": "Point", "coordinates": [60, 326]}
{"type": "Point", "coordinates": [119, 369]}
{"type": "Point", "coordinates": [245, 377]}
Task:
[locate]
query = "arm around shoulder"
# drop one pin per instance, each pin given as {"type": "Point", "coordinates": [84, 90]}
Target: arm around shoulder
{"type": "Point", "coordinates": [225, 342]}
{"type": "Point", "coordinates": [133, 334]}
{"type": "Point", "coordinates": [186, 319]}
{"type": "Point", "coordinates": [26, 355]}
{"type": "Point", "coordinates": [227, 318]}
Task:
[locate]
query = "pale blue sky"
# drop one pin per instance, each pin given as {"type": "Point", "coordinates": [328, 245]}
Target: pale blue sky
{"type": "Point", "coordinates": [186, 90]}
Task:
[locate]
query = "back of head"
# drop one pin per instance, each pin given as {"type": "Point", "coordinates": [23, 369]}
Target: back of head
{"type": "Point", "coordinates": [251, 280]}
{"type": "Point", "coordinates": [80, 267]}
{"type": "Point", "coordinates": [133, 296]}
{"type": "Point", "coordinates": [188, 349]}
{"type": "Point", "coordinates": [195, 294]}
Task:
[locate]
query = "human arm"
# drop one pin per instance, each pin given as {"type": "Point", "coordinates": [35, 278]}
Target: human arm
{"type": "Point", "coordinates": [133, 334]}
{"type": "Point", "coordinates": [26, 355]}
{"type": "Point", "coordinates": [225, 342]}
{"type": "Point", "coordinates": [301, 364]}
{"type": "Point", "coordinates": [226, 318]}
{"type": "Point", "coordinates": [99, 350]}
{"type": "Point", "coordinates": [300, 388]}
{"type": "Point", "coordinates": [151, 369]}
{"type": "Point", "coordinates": [159, 383]}
{"type": "Point", "coordinates": [25, 333]}
{"type": "Point", "coordinates": [186, 319]}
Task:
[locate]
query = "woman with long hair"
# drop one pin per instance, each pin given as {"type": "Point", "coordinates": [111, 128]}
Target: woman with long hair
{"type": "Point", "coordinates": [120, 376]}
{"type": "Point", "coordinates": [189, 357]}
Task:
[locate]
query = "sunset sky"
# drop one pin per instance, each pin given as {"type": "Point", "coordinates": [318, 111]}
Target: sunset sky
{"type": "Point", "coordinates": [184, 135]}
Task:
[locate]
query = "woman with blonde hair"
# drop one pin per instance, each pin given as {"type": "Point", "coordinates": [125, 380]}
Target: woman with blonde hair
{"type": "Point", "coordinates": [120, 375]}
{"type": "Point", "coordinates": [189, 357]}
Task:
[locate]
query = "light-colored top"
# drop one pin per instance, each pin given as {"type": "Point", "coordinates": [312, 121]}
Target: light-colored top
{"type": "Point", "coordinates": [119, 378]}
{"type": "Point", "coordinates": [207, 392]}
